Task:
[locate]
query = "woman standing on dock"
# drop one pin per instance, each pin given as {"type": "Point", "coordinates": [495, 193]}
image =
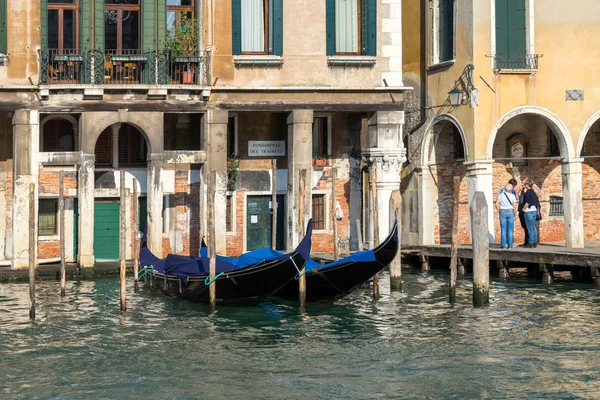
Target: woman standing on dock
{"type": "Point", "coordinates": [506, 210]}
{"type": "Point", "coordinates": [531, 204]}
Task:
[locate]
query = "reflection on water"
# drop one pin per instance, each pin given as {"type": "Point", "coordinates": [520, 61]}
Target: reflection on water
{"type": "Point", "coordinates": [532, 341]}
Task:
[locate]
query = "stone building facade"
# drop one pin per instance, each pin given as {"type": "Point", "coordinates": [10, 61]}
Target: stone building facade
{"type": "Point", "coordinates": [91, 88]}
{"type": "Point", "coordinates": [528, 109]}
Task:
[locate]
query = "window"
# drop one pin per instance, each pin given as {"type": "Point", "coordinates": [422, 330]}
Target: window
{"type": "Point", "coordinates": [47, 217]}
{"type": "Point", "coordinates": [318, 211]}
{"type": "Point", "coordinates": [257, 26]}
{"type": "Point", "coordinates": [3, 35]}
{"type": "Point", "coordinates": [132, 146]}
{"type": "Point", "coordinates": [553, 147]}
{"type": "Point", "coordinates": [58, 135]}
{"type": "Point", "coordinates": [443, 22]}
{"type": "Point", "coordinates": [556, 206]}
{"type": "Point", "coordinates": [175, 10]}
{"type": "Point", "coordinates": [351, 27]}
{"type": "Point", "coordinates": [511, 34]}
{"type": "Point", "coordinates": [122, 25]}
{"type": "Point", "coordinates": [228, 211]}
{"type": "Point", "coordinates": [231, 137]}
{"type": "Point", "coordinates": [62, 24]}
{"type": "Point", "coordinates": [319, 138]}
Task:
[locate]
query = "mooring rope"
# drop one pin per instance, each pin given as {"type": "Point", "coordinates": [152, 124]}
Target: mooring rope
{"type": "Point", "coordinates": [209, 281]}
{"type": "Point", "coordinates": [144, 271]}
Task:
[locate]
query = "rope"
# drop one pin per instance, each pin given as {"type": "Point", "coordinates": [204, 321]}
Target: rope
{"type": "Point", "coordinates": [209, 281]}
{"type": "Point", "coordinates": [144, 271]}
{"type": "Point", "coordinates": [300, 275]}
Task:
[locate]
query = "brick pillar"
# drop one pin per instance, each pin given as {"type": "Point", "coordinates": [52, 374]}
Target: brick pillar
{"type": "Point", "coordinates": [25, 172]}
{"type": "Point", "coordinates": [479, 179]}
{"type": "Point", "coordinates": [216, 136]}
{"type": "Point", "coordinates": [299, 155]}
{"type": "Point", "coordinates": [385, 153]}
{"type": "Point", "coordinates": [573, 202]}
{"type": "Point", "coordinates": [426, 206]}
{"type": "Point", "coordinates": [86, 211]}
{"type": "Point", "coordinates": [154, 193]}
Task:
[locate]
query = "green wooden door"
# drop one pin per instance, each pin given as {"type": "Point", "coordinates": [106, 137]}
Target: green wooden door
{"type": "Point", "coordinates": [259, 220]}
{"type": "Point", "coordinates": [106, 231]}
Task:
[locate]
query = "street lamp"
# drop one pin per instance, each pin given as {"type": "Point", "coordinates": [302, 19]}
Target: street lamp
{"type": "Point", "coordinates": [455, 97]}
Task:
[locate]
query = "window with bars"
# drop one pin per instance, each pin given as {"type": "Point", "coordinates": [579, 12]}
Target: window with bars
{"type": "Point", "coordinates": [318, 211]}
{"type": "Point", "coordinates": [556, 206]}
{"type": "Point", "coordinates": [228, 213]}
{"type": "Point", "coordinates": [47, 217]}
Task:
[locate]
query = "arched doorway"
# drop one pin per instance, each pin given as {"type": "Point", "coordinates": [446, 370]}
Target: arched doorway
{"type": "Point", "coordinates": [590, 153]}
{"type": "Point", "coordinates": [531, 145]}
{"type": "Point", "coordinates": [443, 157]}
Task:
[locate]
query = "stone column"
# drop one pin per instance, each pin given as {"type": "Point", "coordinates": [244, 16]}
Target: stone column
{"type": "Point", "coordinates": [154, 196]}
{"type": "Point", "coordinates": [386, 153]}
{"type": "Point", "coordinates": [114, 130]}
{"type": "Point", "coordinates": [426, 206]}
{"type": "Point", "coordinates": [479, 179]}
{"type": "Point", "coordinates": [86, 211]}
{"type": "Point", "coordinates": [25, 172]}
{"type": "Point", "coordinates": [299, 156]}
{"type": "Point", "coordinates": [573, 202]}
{"type": "Point", "coordinates": [216, 136]}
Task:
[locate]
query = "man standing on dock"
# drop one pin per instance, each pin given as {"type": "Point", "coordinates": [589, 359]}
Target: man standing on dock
{"type": "Point", "coordinates": [505, 204]}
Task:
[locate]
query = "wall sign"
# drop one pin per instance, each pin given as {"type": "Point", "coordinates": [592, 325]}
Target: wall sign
{"type": "Point", "coordinates": [266, 148]}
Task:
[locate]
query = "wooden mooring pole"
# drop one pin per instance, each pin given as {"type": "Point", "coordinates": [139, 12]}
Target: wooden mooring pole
{"type": "Point", "coordinates": [136, 236]}
{"type": "Point", "coordinates": [61, 222]}
{"type": "Point", "coordinates": [212, 242]}
{"type": "Point", "coordinates": [396, 264]}
{"type": "Point", "coordinates": [302, 280]}
{"type": "Point", "coordinates": [122, 244]}
{"type": "Point", "coordinates": [375, 226]}
{"type": "Point", "coordinates": [481, 250]}
{"type": "Point", "coordinates": [336, 249]}
{"type": "Point", "coordinates": [454, 251]}
{"type": "Point", "coordinates": [32, 255]}
{"type": "Point", "coordinates": [274, 204]}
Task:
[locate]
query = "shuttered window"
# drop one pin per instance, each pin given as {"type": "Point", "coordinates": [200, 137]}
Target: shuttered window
{"type": "Point", "coordinates": [511, 34]}
{"type": "Point", "coordinates": [446, 30]}
{"type": "Point", "coordinates": [104, 148]}
{"type": "Point", "coordinates": [318, 211]}
{"type": "Point", "coordinates": [47, 217]}
{"type": "Point", "coordinates": [58, 135]}
{"type": "Point", "coordinates": [257, 27]}
{"type": "Point", "coordinates": [3, 32]}
{"type": "Point", "coordinates": [351, 27]}
{"type": "Point", "coordinates": [132, 146]}
{"type": "Point", "coordinates": [319, 138]}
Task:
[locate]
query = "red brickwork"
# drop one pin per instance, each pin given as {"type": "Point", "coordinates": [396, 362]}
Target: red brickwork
{"type": "Point", "coordinates": [235, 240]}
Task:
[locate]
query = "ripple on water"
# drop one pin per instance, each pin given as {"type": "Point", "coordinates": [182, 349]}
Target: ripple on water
{"type": "Point", "coordinates": [532, 341]}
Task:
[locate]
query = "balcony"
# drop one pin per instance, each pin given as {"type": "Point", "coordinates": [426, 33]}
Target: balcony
{"type": "Point", "coordinates": [508, 64]}
{"type": "Point", "coordinates": [126, 67]}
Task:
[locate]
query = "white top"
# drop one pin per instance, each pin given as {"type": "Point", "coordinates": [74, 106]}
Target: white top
{"type": "Point", "coordinates": [506, 200]}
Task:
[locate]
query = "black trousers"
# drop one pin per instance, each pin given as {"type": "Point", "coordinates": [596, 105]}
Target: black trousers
{"type": "Point", "coordinates": [524, 225]}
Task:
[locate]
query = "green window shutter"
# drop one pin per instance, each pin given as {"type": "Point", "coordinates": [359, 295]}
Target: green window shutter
{"type": "Point", "coordinates": [85, 21]}
{"type": "Point", "coordinates": [277, 27]}
{"type": "Point", "coordinates": [446, 30]}
{"type": "Point", "coordinates": [369, 27]}
{"type": "Point", "coordinates": [162, 23]}
{"type": "Point", "coordinates": [517, 33]}
{"type": "Point", "coordinates": [501, 32]}
{"type": "Point", "coordinates": [330, 26]}
{"type": "Point", "coordinates": [236, 26]}
{"type": "Point", "coordinates": [3, 22]}
{"type": "Point", "coordinates": [43, 22]}
{"type": "Point", "coordinates": [148, 25]}
{"type": "Point", "coordinates": [99, 26]}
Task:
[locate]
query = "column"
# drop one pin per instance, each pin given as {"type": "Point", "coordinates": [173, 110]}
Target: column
{"type": "Point", "coordinates": [426, 206]}
{"type": "Point", "coordinates": [154, 194]}
{"type": "Point", "coordinates": [299, 156]}
{"type": "Point", "coordinates": [25, 172]}
{"type": "Point", "coordinates": [216, 136]}
{"type": "Point", "coordinates": [86, 211]}
{"type": "Point", "coordinates": [114, 130]}
{"type": "Point", "coordinates": [479, 179]}
{"type": "Point", "coordinates": [573, 202]}
{"type": "Point", "coordinates": [385, 153]}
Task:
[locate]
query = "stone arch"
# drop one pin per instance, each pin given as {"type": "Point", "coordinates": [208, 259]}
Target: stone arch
{"type": "Point", "coordinates": [584, 132]}
{"type": "Point", "coordinates": [429, 136]}
{"type": "Point", "coordinates": [559, 129]}
{"type": "Point", "coordinates": [150, 124]}
{"type": "Point", "coordinates": [64, 117]}
{"type": "Point", "coordinates": [68, 117]}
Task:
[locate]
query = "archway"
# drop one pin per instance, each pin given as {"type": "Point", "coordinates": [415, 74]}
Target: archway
{"type": "Point", "coordinates": [530, 142]}
{"type": "Point", "coordinates": [59, 132]}
{"type": "Point", "coordinates": [589, 151]}
{"type": "Point", "coordinates": [443, 155]}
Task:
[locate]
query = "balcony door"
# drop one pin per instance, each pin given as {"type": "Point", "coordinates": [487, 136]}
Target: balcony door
{"type": "Point", "coordinates": [122, 26]}
{"type": "Point", "coordinates": [62, 25]}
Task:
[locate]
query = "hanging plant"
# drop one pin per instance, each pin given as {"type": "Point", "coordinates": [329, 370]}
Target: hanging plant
{"type": "Point", "coordinates": [233, 167]}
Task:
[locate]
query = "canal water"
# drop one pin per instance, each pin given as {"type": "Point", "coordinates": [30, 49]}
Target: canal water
{"type": "Point", "coordinates": [532, 341]}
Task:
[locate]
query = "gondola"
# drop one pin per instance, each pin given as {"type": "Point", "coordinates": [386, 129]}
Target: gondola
{"type": "Point", "coordinates": [249, 278]}
{"type": "Point", "coordinates": [336, 279]}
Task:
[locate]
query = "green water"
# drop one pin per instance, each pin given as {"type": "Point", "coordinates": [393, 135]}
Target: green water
{"type": "Point", "coordinates": [532, 341]}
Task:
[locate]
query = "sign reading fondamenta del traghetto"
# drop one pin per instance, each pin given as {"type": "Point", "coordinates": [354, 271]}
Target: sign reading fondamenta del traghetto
{"type": "Point", "coordinates": [266, 148]}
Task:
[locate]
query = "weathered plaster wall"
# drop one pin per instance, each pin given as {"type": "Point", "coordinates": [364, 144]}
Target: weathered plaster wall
{"type": "Point", "coordinates": [23, 44]}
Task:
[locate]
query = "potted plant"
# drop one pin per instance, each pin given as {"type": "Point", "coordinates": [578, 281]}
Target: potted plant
{"type": "Point", "coordinates": [182, 44]}
{"type": "Point", "coordinates": [320, 161]}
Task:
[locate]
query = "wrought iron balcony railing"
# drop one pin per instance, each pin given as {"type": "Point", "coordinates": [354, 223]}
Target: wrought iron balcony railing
{"type": "Point", "coordinates": [527, 62]}
{"type": "Point", "coordinates": [126, 67]}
